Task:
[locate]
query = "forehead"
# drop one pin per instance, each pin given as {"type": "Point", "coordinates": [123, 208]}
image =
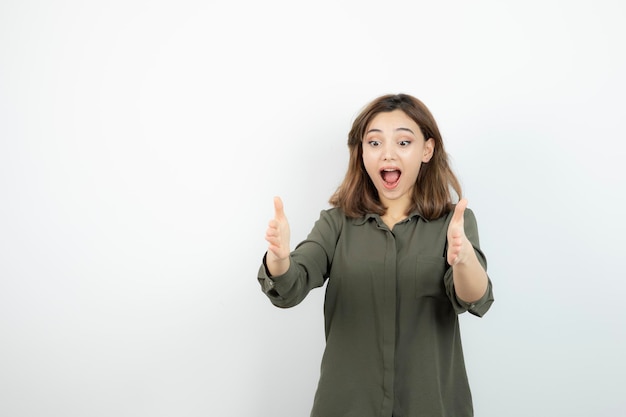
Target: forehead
{"type": "Point", "coordinates": [390, 121]}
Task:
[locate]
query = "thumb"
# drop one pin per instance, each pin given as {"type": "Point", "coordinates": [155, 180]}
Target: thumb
{"type": "Point", "coordinates": [459, 210]}
{"type": "Point", "coordinates": [279, 212]}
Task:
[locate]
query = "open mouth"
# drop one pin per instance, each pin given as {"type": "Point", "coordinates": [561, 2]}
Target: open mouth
{"type": "Point", "coordinates": [390, 176]}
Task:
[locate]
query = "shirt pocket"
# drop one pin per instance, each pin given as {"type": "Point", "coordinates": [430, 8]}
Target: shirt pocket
{"type": "Point", "coordinates": [429, 276]}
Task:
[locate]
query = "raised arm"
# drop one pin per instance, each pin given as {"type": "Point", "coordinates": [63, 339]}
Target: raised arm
{"type": "Point", "coordinates": [278, 235]}
{"type": "Point", "coordinates": [470, 279]}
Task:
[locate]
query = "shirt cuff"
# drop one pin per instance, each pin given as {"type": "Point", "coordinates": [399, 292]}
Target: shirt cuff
{"type": "Point", "coordinates": [272, 285]}
{"type": "Point", "coordinates": [480, 306]}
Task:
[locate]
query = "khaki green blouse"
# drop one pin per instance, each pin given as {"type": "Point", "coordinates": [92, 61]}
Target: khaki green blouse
{"type": "Point", "coordinates": [393, 346]}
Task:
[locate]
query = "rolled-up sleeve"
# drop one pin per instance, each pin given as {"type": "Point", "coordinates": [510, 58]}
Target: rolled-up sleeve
{"type": "Point", "coordinates": [308, 264]}
{"type": "Point", "coordinates": [482, 305]}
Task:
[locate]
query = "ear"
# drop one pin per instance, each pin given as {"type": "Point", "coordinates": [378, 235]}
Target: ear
{"type": "Point", "coordinates": [429, 150]}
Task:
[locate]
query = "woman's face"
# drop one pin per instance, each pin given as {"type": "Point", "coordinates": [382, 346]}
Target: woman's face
{"type": "Point", "coordinates": [393, 151]}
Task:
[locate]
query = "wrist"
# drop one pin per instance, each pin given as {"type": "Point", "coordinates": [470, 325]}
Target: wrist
{"type": "Point", "coordinates": [276, 266]}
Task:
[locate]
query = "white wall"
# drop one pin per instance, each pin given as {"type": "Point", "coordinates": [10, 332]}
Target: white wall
{"type": "Point", "coordinates": [141, 143]}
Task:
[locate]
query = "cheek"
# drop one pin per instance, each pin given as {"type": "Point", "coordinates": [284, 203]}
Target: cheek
{"type": "Point", "coordinates": [370, 164]}
{"type": "Point", "coordinates": [413, 172]}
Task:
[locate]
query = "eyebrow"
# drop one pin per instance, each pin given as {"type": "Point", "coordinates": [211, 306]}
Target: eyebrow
{"type": "Point", "coordinates": [403, 129]}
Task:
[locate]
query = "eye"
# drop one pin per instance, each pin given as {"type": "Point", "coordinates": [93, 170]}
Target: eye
{"type": "Point", "coordinates": [373, 143]}
{"type": "Point", "coordinates": [404, 143]}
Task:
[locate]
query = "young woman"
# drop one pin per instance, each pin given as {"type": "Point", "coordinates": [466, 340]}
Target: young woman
{"type": "Point", "coordinates": [401, 260]}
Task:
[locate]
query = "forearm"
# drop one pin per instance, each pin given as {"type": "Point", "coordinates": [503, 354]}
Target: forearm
{"type": "Point", "coordinates": [276, 266]}
{"type": "Point", "coordinates": [470, 279]}
{"type": "Point", "coordinates": [291, 287]}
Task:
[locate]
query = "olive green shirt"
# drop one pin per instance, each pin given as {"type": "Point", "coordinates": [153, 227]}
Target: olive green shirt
{"type": "Point", "coordinates": [393, 346]}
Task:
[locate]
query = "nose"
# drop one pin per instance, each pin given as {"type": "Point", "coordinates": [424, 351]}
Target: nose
{"type": "Point", "coordinates": [389, 153]}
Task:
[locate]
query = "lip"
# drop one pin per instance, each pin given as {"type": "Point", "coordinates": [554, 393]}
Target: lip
{"type": "Point", "coordinates": [390, 185]}
{"type": "Point", "coordinates": [390, 168]}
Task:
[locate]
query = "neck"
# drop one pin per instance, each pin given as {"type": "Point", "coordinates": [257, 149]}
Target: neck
{"type": "Point", "coordinates": [396, 211]}
{"type": "Point", "coordinates": [396, 208]}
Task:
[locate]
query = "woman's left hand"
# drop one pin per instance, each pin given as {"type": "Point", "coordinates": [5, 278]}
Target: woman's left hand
{"type": "Point", "coordinates": [459, 247]}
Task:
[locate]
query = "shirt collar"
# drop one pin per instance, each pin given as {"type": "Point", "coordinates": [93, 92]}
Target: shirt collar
{"type": "Point", "coordinates": [364, 219]}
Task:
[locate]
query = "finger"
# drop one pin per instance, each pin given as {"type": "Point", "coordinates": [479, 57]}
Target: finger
{"type": "Point", "coordinates": [273, 242]}
{"type": "Point", "coordinates": [279, 211]}
{"type": "Point", "coordinates": [459, 210]}
{"type": "Point", "coordinates": [273, 238]}
{"type": "Point", "coordinates": [453, 252]}
{"type": "Point", "coordinates": [274, 250]}
{"type": "Point", "coordinates": [453, 258]}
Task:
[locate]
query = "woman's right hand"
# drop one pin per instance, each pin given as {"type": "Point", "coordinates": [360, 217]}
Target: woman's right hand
{"type": "Point", "coordinates": [277, 235]}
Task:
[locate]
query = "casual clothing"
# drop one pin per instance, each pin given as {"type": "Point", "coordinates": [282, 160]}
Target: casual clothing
{"type": "Point", "coordinates": [393, 345]}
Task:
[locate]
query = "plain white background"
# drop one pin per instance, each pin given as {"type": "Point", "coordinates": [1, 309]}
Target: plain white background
{"type": "Point", "coordinates": [141, 143]}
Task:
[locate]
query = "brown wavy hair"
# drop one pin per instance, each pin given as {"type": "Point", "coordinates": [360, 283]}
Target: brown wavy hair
{"type": "Point", "coordinates": [357, 195]}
